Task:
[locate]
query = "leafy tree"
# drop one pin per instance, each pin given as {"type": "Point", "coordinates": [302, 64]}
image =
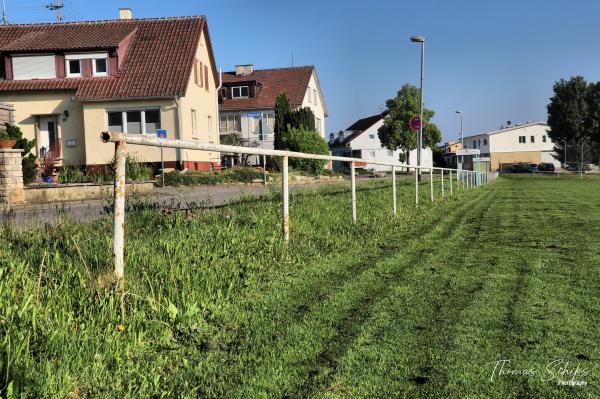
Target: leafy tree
{"type": "Point", "coordinates": [568, 113]}
{"type": "Point", "coordinates": [396, 132]}
{"type": "Point", "coordinates": [309, 141]}
{"type": "Point", "coordinates": [592, 123]}
{"type": "Point", "coordinates": [283, 109]}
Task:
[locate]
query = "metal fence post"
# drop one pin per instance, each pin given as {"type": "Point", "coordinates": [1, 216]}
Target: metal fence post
{"type": "Point", "coordinates": [416, 188]}
{"type": "Point", "coordinates": [119, 211]}
{"type": "Point", "coordinates": [286, 200]}
{"type": "Point", "coordinates": [442, 171]}
{"type": "Point", "coordinates": [353, 187]}
{"type": "Point", "coordinates": [450, 181]}
{"type": "Point", "coordinates": [431, 184]}
{"type": "Point", "coordinates": [394, 190]}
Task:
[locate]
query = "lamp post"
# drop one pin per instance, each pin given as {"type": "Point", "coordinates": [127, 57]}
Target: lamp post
{"type": "Point", "coordinates": [420, 39]}
{"type": "Point", "coordinates": [461, 128]}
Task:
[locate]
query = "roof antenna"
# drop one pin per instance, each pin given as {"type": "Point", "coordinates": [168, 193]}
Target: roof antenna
{"type": "Point", "coordinates": [56, 7]}
{"type": "Point", "coordinates": [4, 17]}
{"type": "Point", "coordinates": [292, 60]}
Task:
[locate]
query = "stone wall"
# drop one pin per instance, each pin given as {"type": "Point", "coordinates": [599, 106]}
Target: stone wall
{"type": "Point", "coordinates": [11, 177]}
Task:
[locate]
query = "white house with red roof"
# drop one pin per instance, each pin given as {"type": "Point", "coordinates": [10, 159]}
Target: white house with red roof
{"type": "Point", "coordinates": [360, 140]}
{"type": "Point", "coordinates": [68, 82]}
{"type": "Point", "coordinates": [247, 100]}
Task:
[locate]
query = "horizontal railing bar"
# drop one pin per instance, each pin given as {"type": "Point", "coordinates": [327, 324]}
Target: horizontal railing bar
{"type": "Point", "coordinates": [153, 141]}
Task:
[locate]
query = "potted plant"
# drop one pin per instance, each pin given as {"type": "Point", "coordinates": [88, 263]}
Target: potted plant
{"type": "Point", "coordinates": [6, 140]}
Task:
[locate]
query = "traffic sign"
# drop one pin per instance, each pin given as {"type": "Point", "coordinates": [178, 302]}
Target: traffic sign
{"type": "Point", "coordinates": [161, 133]}
{"type": "Point", "coordinates": [254, 114]}
{"type": "Point", "coordinates": [415, 123]}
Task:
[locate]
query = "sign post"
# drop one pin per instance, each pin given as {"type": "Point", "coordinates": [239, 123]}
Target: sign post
{"type": "Point", "coordinates": [162, 134]}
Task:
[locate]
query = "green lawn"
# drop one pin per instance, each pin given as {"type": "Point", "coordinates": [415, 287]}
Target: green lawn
{"type": "Point", "coordinates": [215, 304]}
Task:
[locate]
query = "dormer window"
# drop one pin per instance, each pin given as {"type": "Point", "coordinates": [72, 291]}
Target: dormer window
{"type": "Point", "coordinates": [100, 66]}
{"type": "Point", "coordinates": [86, 64]}
{"type": "Point", "coordinates": [74, 68]}
{"type": "Point", "coordinates": [240, 92]}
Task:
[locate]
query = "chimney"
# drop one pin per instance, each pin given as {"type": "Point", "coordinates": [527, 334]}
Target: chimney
{"type": "Point", "coordinates": [125, 13]}
{"type": "Point", "coordinates": [243, 70]}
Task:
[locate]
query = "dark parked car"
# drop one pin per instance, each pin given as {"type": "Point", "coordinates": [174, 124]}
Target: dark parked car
{"type": "Point", "coordinates": [520, 168]}
{"type": "Point", "coordinates": [533, 167]}
{"type": "Point", "coordinates": [546, 167]}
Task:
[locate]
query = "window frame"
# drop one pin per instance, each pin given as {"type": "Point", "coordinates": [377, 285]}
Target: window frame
{"type": "Point", "coordinates": [194, 124]}
{"type": "Point", "coordinates": [142, 112]}
{"type": "Point", "coordinates": [544, 138]}
{"type": "Point", "coordinates": [522, 139]}
{"type": "Point", "coordinates": [94, 67]}
{"type": "Point", "coordinates": [69, 74]}
{"type": "Point", "coordinates": [532, 139]}
{"type": "Point", "coordinates": [240, 92]}
{"type": "Point", "coordinates": [231, 119]}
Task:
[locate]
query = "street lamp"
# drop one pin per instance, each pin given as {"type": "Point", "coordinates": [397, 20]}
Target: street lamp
{"type": "Point", "coordinates": [461, 128]}
{"type": "Point", "coordinates": [420, 39]}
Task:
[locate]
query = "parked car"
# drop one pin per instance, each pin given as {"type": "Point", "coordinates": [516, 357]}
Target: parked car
{"type": "Point", "coordinates": [533, 168]}
{"type": "Point", "coordinates": [521, 168]}
{"type": "Point", "coordinates": [546, 167]}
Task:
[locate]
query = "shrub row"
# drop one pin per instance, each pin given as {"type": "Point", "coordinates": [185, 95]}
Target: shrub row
{"type": "Point", "coordinates": [233, 175]}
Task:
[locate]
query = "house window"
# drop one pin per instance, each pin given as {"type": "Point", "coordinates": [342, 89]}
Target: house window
{"type": "Point", "coordinates": [309, 97]}
{"type": "Point", "coordinates": [34, 67]}
{"type": "Point", "coordinates": [100, 66]}
{"type": "Point", "coordinates": [532, 139]}
{"type": "Point", "coordinates": [318, 125]}
{"type": "Point", "coordinates": [74, 68]}
{"type": "Point", "coordinates": [484, 141]}
{"type": "Point", "coordinates": [194, 125]}
{"type": "Point", "coordinates": [372, 136]}
{"type": "Point", "coordinates": [152, 120]}
{"type": "Point", "coordinates": [371, 154]}
{"type": "Point", "coordinates": [115, 122]}
{"type": "Point", "coordinates": [544, 138]}
{"type": "Point", "coordinates": [390, 153]}
{"type": "Point", "coordinates": [479, 143]}
{"type": "Point", "coordinates": [224, 93]}
{"type": "Point", "coordinates": [270, 118]}
{"type": "Point", "coordinates": [240, 92]}
{"type": "Point", "coordinates": [209, 127]}
{"type": "Point", "coordinates": [315, 96]}
{"type": "Point", "coordinates": [522, 139]}
{"type": "Point", "coordinates": [134, 121]}
{"type": "Point", "coordinates": [230, 123]}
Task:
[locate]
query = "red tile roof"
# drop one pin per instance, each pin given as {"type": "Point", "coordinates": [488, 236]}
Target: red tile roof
{"type": "Point", "coordinates": [293, 81]}
{"type": "Point", "coordinates": [158, 62]}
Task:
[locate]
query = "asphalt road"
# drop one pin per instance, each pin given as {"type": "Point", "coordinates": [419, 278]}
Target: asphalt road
{"type": "Point", "coordinates": [29, 215]}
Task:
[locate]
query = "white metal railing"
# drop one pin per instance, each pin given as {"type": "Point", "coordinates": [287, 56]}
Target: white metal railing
{"type": "Point", "coordinates": [464, 178]}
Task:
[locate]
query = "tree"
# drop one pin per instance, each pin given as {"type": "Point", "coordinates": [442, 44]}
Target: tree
{"type": "Point", "coordinates": [302, 118]}
{"type": "Point", "coordinates": [568, 113]}
{"type": "Point", "coordinates": [309, 141]}
{"type": "Point", "coordinates": [283, 109]}
{"type": "Point", "coordinates": [592, 124]}
{"type": "Point", "coordinates": [396, 132]}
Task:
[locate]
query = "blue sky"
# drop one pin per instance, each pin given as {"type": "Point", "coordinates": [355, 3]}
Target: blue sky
{"type": "Point", "coordinates": [496, 61]}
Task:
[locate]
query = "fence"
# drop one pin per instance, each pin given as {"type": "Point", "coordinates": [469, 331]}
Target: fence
{"type": "Point", "coordinates": [461, 179]}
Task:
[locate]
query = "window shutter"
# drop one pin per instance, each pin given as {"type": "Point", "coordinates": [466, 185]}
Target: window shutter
{"type": "Point", "coordinates": [200, 74]}
{"type": "Point", "coordinates": [34, 67]}
{"type": "Point", "coordinates": [196, 71]}
{"type": "Point", "coordinates": [206, 77]}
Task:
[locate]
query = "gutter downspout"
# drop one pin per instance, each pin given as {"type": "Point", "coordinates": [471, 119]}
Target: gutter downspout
{"type": "Point", "coordinates": [218, 116]}
{"type": "Point", "coordinates": [179, 124]}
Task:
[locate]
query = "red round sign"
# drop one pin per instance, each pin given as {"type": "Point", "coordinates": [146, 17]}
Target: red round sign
{"type": "Point", "coordinates": [415, 122]}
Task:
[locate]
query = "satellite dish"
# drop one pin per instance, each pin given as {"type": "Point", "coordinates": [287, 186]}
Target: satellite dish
{"type": "Point", "coordinates": [508, 123]}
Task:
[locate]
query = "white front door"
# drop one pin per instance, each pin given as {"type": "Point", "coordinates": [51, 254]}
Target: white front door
{"type": "Point", "coordinates": [48, 133]}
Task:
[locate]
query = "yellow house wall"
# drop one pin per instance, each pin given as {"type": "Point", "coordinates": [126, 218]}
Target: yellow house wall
{"type": "Point", "coordinates": [29, 105]}
{"type": "Point", "coordinates": [205, 103]}
{"type": "Point", "coordinates": [96, 121]}
{"type": "Point", "coordinates": [499, 158]}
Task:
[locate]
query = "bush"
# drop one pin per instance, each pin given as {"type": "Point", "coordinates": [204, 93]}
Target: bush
{"type": "Point", "coordinates": [307, 141]}
{"type": "Point", "coordinates": [134, 171]}
{"type": "Point", "coordinates": [12, 132]}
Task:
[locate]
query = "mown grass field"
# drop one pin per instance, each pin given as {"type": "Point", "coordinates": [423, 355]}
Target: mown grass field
{"type": "Point", "coordinates": [216, 305]}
